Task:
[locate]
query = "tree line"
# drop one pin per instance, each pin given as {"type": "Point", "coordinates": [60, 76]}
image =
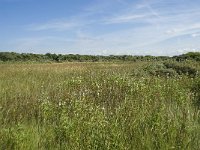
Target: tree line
{"type": "Point", "coordinates": [48, 57]}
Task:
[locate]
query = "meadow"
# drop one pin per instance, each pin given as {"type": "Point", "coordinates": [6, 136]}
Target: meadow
{"type": "Point", "coordinates": [99, 105]}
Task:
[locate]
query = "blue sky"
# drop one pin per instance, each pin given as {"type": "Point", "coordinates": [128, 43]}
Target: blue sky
{"type": "Point", "coordinates": [100, 27]}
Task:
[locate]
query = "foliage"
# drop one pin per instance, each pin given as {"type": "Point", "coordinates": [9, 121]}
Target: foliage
{"type": "Point", "coordinates": [166, 69]}
{"type": "Point", "coordinates": [188, 56]}
{"type": "Point", "coordinates": [11, 56]}
{"type": "Point", "coordinates": [155, 69]}
{"type": "Point", "coordinates": [24, 57]}
{"type": "Point", "coordinates": [182, 68]}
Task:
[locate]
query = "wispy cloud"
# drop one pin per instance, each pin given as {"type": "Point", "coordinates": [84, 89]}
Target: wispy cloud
{"type": "Point", "coordinates": [194, 35]}
{"type": "Point", "coordinates": [54, 25]}
{"type": "Point", "coordinates": [125, 18]}
{"type": "Point", "coordinates": [184, 29]}
{"type": "Point", "coordinates": [134, 13]}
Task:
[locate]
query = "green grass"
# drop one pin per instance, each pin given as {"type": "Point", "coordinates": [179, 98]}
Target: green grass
{"type": "Point", "coordinates": [95, 106]}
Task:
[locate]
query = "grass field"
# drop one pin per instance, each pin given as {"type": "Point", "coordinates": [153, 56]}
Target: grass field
{"type": "Point", "coordinates": [95, 106]}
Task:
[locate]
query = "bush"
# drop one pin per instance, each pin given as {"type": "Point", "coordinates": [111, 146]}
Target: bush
{"type": "Point", "coordinates": [166, 72]}
{"type": "Point", "coordinates": [182, 69]}
{"type": "Point", "coordinates": [156, 69]}
{"type": "Point", "coordinates": [166, 69]}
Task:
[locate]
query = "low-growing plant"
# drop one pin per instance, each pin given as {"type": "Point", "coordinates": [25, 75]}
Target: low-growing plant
{"type": "Point", "coordinates": [166, 72]}
{"type": "Point", "coordinates": [182, 68]}
{"type": "Point", "coordinates": [155, 69]}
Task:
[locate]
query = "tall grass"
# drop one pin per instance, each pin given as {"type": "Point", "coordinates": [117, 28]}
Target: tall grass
{"type": "Point", "coordinates": [95, 106]}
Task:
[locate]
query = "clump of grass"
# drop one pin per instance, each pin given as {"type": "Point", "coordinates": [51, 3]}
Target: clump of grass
{"type": "Point", "coordinates": [196, 90]}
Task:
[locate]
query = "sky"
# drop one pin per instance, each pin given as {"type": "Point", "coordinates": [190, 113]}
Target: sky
{"type": "Point", "coordinates": [100, 27]}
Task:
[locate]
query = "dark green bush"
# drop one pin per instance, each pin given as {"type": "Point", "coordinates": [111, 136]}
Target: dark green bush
{"type": "Point", "coordinates": [166, 69]}
{"type": "Point", "coordinates": [155, 69]}
{"type": "Point", "coordinates": [166, 72]}
{"type": "Point", "coordinates": [182, 69]}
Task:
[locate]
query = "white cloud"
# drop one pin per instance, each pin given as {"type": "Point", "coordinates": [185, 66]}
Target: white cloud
{"type": "Point", "coordinates": [171, 31]}
{"type": "Point", "coordinates": [54, 25]}
{"type": "Point", "coordinates": [184, 29]}
{"type": "Point", "coordinates": [125, 18]}
{"type": "Point", "coordinates": [195, 35]}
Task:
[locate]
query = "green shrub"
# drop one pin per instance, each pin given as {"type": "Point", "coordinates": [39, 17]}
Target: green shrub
{"type": "Point", "coordinates": [182, 69]}
{"type": "Point", "coordinates": [155, 69]}
{"type": "Point", "coordinates": [166, 72]}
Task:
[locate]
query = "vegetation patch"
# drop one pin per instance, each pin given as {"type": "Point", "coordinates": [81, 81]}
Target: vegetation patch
{"type": "Point", "coordinates": [166, 69]}
{"type": "Point", "coordinates": [96, 106]}
{"type": "Point", "coordinates": [48, 57]}
{"type": "Point", "coordinates": [182, 69]}
{"type": "Point", "coordinates": [196, 91]}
